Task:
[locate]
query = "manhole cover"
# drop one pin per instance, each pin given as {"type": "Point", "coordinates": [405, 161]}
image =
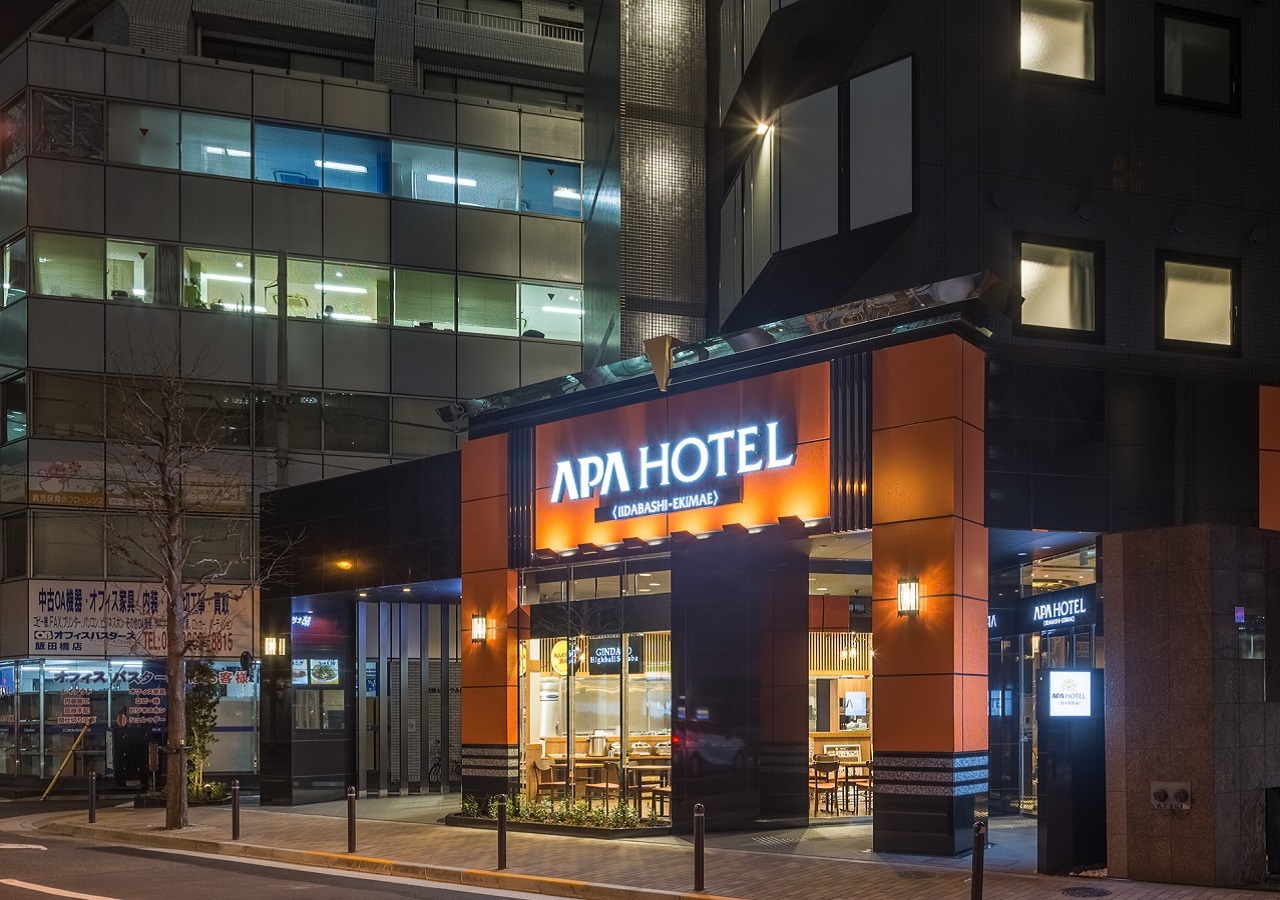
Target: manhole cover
{"type": "Point", "coordinates": [1085, 892]}
{"type": "Point", "coordinates": [916, 875]}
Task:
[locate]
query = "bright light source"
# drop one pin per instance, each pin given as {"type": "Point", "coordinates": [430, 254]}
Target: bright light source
{"type": "Point", "coordinates": [238, 279]}
{"type": "Point", "coordinates": [345, 564]}
{"type": "Point", "coordinates": [341, 167]}
{"type": "Point", "coordinates": [350, 317]}
{"type": "Point", "coordinates": [479, 628]}
{"type": "Point", "coordinates": [908, 596]}
{"type": "Point", "coordinates": [565, 193]}
{"type": "Point", "coordinates": [762, 128]}
{"type": "Point", "coordinates": [338, 288]}
{"type": "Point", "coordinates": [449, 179]}
{"type": "Point", "coordinates": [568, 311]}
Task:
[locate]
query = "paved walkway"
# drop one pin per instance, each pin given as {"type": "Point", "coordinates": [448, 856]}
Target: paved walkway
{"type": "Point", "coordinates": [584, 868]}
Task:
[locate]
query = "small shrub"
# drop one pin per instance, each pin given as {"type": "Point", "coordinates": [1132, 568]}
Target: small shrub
{"type": "Point", "coordinates": [654, 820]}
{"type": "Point", "coordinates": [212, 790]}
{"type": "Point", "coordinates": [492, 811]}
{"type": "Point", "coordinates": [470, 807]}
{"type": "Point", "coordinates": [599, 818]}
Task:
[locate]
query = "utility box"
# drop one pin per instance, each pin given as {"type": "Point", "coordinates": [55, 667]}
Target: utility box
{"type": "Point", "coordinates": [1071, 771]}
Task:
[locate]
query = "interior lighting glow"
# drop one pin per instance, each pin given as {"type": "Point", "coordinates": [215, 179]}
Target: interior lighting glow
{"type": "Point", "coordinates": [341, 166]}
{"type": "Point", "coordinates": [139, 292]}
{"type": "Point", "coordinates": [350, 317]}
{"type": "Point", "coordinates": [238, 279]}
{"type": "Point", "coordinates": [449, 179]}
{"type": "Point", "coordinates": [567, 310]}
{"type": "Point", "coordinates": [226, 151]}
{"type": "Point", "coordinates": [338, 288]}
{"type": "Point", "coordinates": [762, 128]}
{"type": "Point", "coordinates": [567, 194]}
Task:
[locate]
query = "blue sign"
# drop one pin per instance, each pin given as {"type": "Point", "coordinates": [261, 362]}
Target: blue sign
{"type": "Point", "coordinates": [8, 684]}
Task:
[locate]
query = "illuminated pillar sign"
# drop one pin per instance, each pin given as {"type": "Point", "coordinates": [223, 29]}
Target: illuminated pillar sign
{"type": "Point", "coordinates": [671, 476]}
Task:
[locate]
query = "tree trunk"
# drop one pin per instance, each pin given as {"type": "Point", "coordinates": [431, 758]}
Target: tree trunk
{"type": "Point", "coordinates": [175, 815]}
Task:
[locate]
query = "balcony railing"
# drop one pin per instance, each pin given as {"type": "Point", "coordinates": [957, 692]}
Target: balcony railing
{"type": "Point", "coordinates": [502, 23]}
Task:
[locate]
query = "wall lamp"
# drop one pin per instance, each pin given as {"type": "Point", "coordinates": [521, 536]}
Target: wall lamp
{"type": "Point", "coordinates": [762, 128]}
{"type": "Point", "coordinates": [479, 629]}
{"type": "Point", "coordinates": [345, 564]}
{"type": "Point", "coordinates": [908, 596]}
{"type": "Point", "coordinates": [273, 646]}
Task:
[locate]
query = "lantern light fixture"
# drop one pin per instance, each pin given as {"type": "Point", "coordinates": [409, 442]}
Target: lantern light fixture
{"type": "Point", "coordinates": [908, 596]}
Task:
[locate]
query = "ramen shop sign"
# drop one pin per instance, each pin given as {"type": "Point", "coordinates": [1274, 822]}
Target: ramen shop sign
{"type": "Point", "coordinates": [692, 473]}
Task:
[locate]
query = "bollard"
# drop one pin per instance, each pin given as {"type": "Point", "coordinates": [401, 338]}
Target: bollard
{"type": "Point", "coordinates": [502, 832]}
{"type": "Point", "coordinates": [235, 810]}
{"type": "Point", "coordinates": [93, 797]}
{"type": "Point", "coordinates": [979, 851]}
{"type": "Point", "coordinates": [351, 820]}
{"type": "Point", "coordinates": [699, 845]}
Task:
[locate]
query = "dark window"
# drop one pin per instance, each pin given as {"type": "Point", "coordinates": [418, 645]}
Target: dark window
{"type": "Point", "coordinates": [13, 128]}
{"type": "Point", "coordinates": [67, 126]}
{"type": "Point", "coordinates": [304, 421]}
{"type": "Point", "coordinates": [15, 546]}
{"type": "Point", "coordinates": [1198, 58]}
{"type": "Point", "coordinates": [358, 423]}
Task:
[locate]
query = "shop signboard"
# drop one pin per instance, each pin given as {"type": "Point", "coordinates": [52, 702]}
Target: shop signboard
{"type": "Point", "coordinates": [604, 655]}
{"type": "Point", "coordinates": [147, 705]}
{"type": "Point", "coordinates": [94, 619]}
{"type": "Point", "coordinates": [8, 683]}
{"type": "Point", "coordinates": [1070, 692]}
{"type": "Point", "coordinates": [1065, 609]}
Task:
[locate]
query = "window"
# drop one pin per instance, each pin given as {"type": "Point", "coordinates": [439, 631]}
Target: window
{"type": "Point", "coordinates": [131, 271]}
{"type": "Point", "coordinates": [423, 171]}
{"type": "Point", "coordinates": [1198, 304]}
{"type": "Point", "coordinates": [416, 430]}
{"type": "Point", "coordinates": [304, 293]}
{"type": "Point", "coordinates": [287, 155]}
{"type": "Point", "coordinates": [67, 126]}
{"type": "Point", "coordinates": [66, 544]}
{"type": "Point", "coordinates": [214, 279]}
{"type": "Point", "coordinates": [487, 305]}
{"type": "Point", "coordinates": [216, 413]}
{"type": "Point", "coordinates": [13, 127]}
{"type": "Point", "coordinates": [1200, 62]}
{"type": "Point", "coordinates": [15, 546]}
{"type": "Point", "coordinates": [881, 146]}
{"type": "Point", "coordinates": [304, 421]}
{"type": "Point", "coordinates": [356, 423]}
{"type": "Point", "coordinates": [355, 293]}
{"type": "Point", "coordinates": [354, 162]}
{"type": "Point", "coordinates": [69, 266]}
{"type": "Point", "coordinates": [550, 187]}
{"type": "Point", "coordinates": [143, 135]}
{"type": "Point", "coordinates": [1059, 38]}
{"type": "Point", "coordinates": [491, 180]}
{"type": "Point", "coordinates": [215, 145]}
{"type": "Point", "coordinates": [14, 274]}
{"type": "Point", "coordinates": [15, 408]}
{"type": "Point", "coordinates": [220, 542]}
{"type": "Point", "coordinates": [1059, 288]}
{"type": "Point", "coordinates": [425, 299]}
{"type": "Point", "coordinates": [553, 310]}
{"type": "Point", "coordinates": [66, 405]}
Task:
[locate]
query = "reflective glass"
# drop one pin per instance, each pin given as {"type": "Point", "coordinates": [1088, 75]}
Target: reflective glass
{"type": "Point", "coordinates": [416, 430]}
{"type": "Point", "coordinates": [354, 162]}
{"type": "Point", "coordinates": [69, 266]}
{"type": "Point", "coordinates": [215, 145]}
{"type": "Point", "coordinates": [217, 279]}
{"type": "Point", "coordinates": [487, 305]}
{"type": "Point", "coordinates": [304, 292]}
{"type": "Point", "coordinates": [142, 135]}
{"type": "Point", "coordinates": [550, 187]}
{"type": "Point", "coordinates": [287, 154]}
{"type": "Point", "coordinates": [356, 423]}
{"type": "Point", "coordinates": [554, 310]}
{"type": "Point", "coordinates": [425, 299]}
{"type": "Point", "coordinates": [131, 271]}
{"type": "Point", "coordinates": [423, 171]}
{"type": "Point", "coordinates": [355, 293]}
{"type": "Point", "coordinates": [491, 180]}
{"type": "Point", "coordinates": [14, 275]}
{"type": "Point", "coordinates": [1198, 62]}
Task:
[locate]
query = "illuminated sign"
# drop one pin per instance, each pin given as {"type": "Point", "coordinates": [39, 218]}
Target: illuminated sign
{"type": "Point", "coordinates": [1064, 609]}
{"type": "Point", "coordinates": [691, 473]}
{"type": "Point", "coordinates": [301, 619]}
{"type": "Point", "coordinates": [1070, 692]}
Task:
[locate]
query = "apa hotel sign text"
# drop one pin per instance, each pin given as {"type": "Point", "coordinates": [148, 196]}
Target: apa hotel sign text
{"type": "Point", "coordinates": [670, 476]}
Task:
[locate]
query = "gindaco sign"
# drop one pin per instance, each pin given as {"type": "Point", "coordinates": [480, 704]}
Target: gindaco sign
{"type": "Point", "coordinates": [1046, 612]}
{"type": "Point", "coordinates": [671, 476]}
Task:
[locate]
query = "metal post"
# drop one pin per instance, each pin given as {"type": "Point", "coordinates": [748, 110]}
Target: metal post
{"type": "Point", "coordinates": [93, 797]}
{"type": "Point", "coordinates": [502, 832]}
{"type": "Point", "coordinates": [351, 820]}
{"type": "Point", "coordinates": [699, 845]}
{"type": "Point", "coordinates": [235, 810]}
{"type": "Point", "coordinates": [979, 851]}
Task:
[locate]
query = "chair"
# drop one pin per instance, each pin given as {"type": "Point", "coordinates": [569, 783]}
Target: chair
{"type": "Point", "coordinates": [661, 795]}
{"type": "Point", "coordinates": [545, 780]}
{"type": "Point", "coordinates": [825, 781]}
{"type": "Point", "coordinates": [610, 784]}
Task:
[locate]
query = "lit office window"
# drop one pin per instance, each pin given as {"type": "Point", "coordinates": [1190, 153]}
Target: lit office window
{"type": "Point", "coordinates": [216, 279]}
{"type": "Point", "coordinates": [357, 423]}
{"type": "Point", "coordinates": [142, 135]}
{"type": "Point", "coordinates": [216, 145]}
{"type": "Point", "coordinates": [1058, 37]}
{"type": "Point", "coordinates": [131, 271]}
{"type": "Point", "coordinates": [355, 293]}
{"type": "Point", "coordinates": [13, 272]}
{"type": "Point", "coordinates": [550, 187]}
{"type": "Point", "coordinates": [1199, 304]}
{"type": "Point", "coordinates": [424, 299]}
{"type": "Point", "coordinates": [416, 430]}
{"type": "Point", "coordinates": [1201, 57]}
{"type": "Point", "coordinates": [554, 311]}
{"type": "Point", "coordinates": [1059, 288]}
{"type": "Point", "coordinates": [15, 408]}
{"type": "Point", "coordinates": [423, 171]}
{"type": "Point", "coordinates": [303, 291]}
{"type": "Point", "coordinates": [287, 155]}
{"type": "Point", "coordinates": [354, 162]}
{"type": "Point", "coordinates": [69, 266]}
{"type": "Point", "coordinates": [487, 305]}
{"type": "Point", "coordinates": [491, 180]}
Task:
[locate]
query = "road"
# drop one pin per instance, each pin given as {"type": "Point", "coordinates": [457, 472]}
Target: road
{"type": "Point", "coordinates": [34, 866]}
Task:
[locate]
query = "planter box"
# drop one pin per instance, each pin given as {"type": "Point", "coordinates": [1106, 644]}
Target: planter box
{"type": "Point", "coordinates": [589, 831]}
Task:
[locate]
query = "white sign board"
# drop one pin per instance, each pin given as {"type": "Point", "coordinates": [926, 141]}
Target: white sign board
{"type": "Point", "coordinates": [1070, 693]}
{"type": "Point", "coordinates": [97, 619]}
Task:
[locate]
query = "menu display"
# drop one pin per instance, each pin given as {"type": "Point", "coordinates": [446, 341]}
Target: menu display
{"type": "Point", "coordinates": [300, 672]}
{"type": "Point", "coordinates": [323, 671]}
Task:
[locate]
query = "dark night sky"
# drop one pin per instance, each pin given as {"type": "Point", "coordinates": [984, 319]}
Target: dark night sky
{"type": "Point", "coordinates": [17, 15]}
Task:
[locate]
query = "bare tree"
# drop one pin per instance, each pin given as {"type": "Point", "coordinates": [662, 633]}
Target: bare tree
{"type": "Point", "coordinates": [165, 432]}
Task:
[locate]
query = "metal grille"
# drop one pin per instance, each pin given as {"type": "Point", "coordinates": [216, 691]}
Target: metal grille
{"type": "Point", "coordinates": [851, 442]}
{"type": "Point", "coordinates": [520, 489]}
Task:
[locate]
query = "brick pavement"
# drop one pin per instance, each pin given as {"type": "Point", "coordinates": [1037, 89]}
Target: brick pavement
{"type": "Point", "coordinates": [627, 865]}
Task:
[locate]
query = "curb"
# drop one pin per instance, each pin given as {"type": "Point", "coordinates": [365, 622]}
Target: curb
{"type": "Point", "coordinates": [484, 878]}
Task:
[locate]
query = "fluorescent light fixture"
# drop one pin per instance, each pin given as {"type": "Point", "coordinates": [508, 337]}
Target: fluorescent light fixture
{"type": "Point", "coordinates": [351, 317]}
{"type": "Point", "coordinates": [449, 179]}
{"type": "Point", "coordinates": [240, 153]}
{"type": "Point", "coordinates": [238, 279]}
{"type": "Point", "coordinates": [569, 311]}
{"type": "Point", "coordinates": [139, 292]}
{"type": "Point", "coordinates": [340, 289]}
{"type": "Point", "coordinates": [226, 151]}
{"type": "Point", "coordinates": [567, 193]}
{"type": "Point", "coordinates": [341, 167]}
{"type": "Point", "coordinates": [239, 265]}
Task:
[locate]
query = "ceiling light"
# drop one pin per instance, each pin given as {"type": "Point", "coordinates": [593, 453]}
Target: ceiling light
{"type": "Point", "coordinates": [567, 310]}
{"type": "Point", "coordinates": [655, 584]}
{"type": "Point", "coordinates": [239, 265]}
{"type": "Point", "coordinates": [139, 292]}
{"type": "Point", "coordinates": [449, 179]}
{"type": "Point", "coordinates": [565, 193]}
{"type": "Point", "coordinates": [350, 317]}
{"type": "Point", "coordinates": [405, 590]}
{"type": "Point", "coordinates": [338, 288]}
{"type": "Point", "coordinates": [238, 279]}
{"type": "Point", "coordinates": [341, 167]}
{"type": "Point", "coordinates": [239, 153]}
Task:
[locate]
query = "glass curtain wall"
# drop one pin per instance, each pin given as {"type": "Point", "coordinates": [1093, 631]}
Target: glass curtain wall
{"type": "Point", "coordinates": [595, 682]}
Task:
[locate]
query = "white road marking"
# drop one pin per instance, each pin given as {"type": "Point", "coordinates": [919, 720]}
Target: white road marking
{"type": "Point", "coordinates": [57, 892]}
{"type": "Point", "coordinates": [22, 847]}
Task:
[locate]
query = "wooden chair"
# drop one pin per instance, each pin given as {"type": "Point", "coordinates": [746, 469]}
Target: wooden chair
{"type": "Point", "coordinates": [661, 796]}
{"type": "Point", "coordinates": [825, 781]}
{"type": "Point", "coordinates": [545, 780]}
{"type": "Point", "coordinates": [610, 784]}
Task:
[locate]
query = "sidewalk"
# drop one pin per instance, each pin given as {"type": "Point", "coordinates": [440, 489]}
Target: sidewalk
{"type": "Point", "coordinates": [583, 868]}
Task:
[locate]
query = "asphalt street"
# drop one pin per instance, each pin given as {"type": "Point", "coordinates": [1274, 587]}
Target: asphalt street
{"type": "Point", "coordinates": [34, 865]}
